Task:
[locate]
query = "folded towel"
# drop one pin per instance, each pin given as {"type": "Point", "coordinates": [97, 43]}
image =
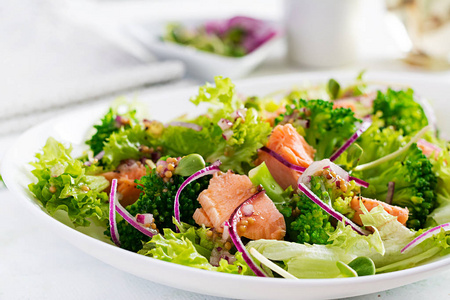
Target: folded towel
{"type": "Point", "coordinates": [19, 115]}
{"type": "Point", "coordinates": [49, 62]}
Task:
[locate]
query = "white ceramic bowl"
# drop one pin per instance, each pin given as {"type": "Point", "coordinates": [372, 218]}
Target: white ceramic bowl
{"type": "Point", "coordinates": [15, 171]}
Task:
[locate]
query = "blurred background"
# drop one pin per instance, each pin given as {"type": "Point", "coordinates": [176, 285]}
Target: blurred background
{"type": "Point", "coordinates": [55, 53]}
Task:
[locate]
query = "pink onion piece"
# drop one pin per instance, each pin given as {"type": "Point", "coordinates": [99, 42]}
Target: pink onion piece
{"type": "Point", "coordinates": [282, 160]}
{"type": "Point", "coordinates": [232, 224]}
{"type": "Point", "coordinates": [240, 113]}
{"type": "Point", "coordinates": [112, 213]}
{"type": "Point", "coordinates": [225, 124]}
{"type": "Point", "coordinates": [248, 210]}
{"type": "Point", "coordinates": [390, 192]}
{"type": "Point", "coordinates": [132, 220]}
{"type": "Point", "coordinates": [144, 218]}
{"type": "Point", "coordinates": [186, 125]}
{"type": "Point", "coordinates": [338, 216]}
{"type": "Point", "coordinates": [98, 157]}
{"type": "Point", "coordinates": [427, 234]}
{"type": "Point", "coordinates": [364, 126]}
{"type": "Point", "coordinates": [203, 172]}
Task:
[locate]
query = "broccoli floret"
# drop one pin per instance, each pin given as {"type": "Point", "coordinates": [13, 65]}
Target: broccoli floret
{"type": "Point", "coordinates": [398, 109]}
{"type": "Point", "coordinates": [306, 222]}
{"type": "Point", "coordinates": [411, 172]}
{"type": "Point", "coordinates": [157, 198]}
{"type": "Point", "coordinates": [324, 128]}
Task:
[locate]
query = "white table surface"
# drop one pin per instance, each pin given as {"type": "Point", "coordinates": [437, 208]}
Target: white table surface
{"type": "Point", "coordinates": [34, 264]}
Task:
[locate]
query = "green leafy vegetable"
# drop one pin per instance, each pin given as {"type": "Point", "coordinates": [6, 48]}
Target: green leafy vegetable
{"type": "Point", "coordinates": [109, 125]}
{"type": "Point", "coordinates": [126, 144]}
{"type": "Point", "coordinates": [185, 248]}
{"type": "Point", "coordinates": [62, 184]}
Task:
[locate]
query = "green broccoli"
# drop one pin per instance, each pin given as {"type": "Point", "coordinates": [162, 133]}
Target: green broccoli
{"type": "Point", "coordinates": [158, 198]}
{"type": "Point", "coordinates": [324, 128]}
{"type": "Point", "coordinates": [400, 110]}
{"type": "Point", "coordinates": [306, 222]}
{"type": "Point", "coordinates": [411, 172]}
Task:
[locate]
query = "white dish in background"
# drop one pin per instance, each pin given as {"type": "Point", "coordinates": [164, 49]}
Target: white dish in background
{"type": "Point", "coordinates": [15, 171]}
{"type": "Point", "coordinates": [201, 64]}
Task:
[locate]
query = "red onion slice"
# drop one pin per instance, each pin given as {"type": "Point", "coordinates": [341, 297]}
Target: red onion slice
{"type": "Point", "coordinates": [112, 213]}
{"type": "Point", "coordinates": [187, 125]}
{"type": "Point", "coordinates": [338, 216]}
{"type": "Point", "coordinates": [98, 157]}
{"type": "Point", "coordinates": [359, 182]}
{"type": "Point", "coordinates": [427, 234]}
{"type": "Point", "coordinates": [364, 126]}
{"type": "Point", "coordinates": [282, 160]}
{"type": "Point", "coordinates": [232, 224]}
{"type": "Point", "coordinates": [203, 172]}
{"type": "Point", "coordinates": [225, 124]}
{"type": "Point", "coordinates": [132, 220]}
{"type": "Point", "coordinates": [240, 113]}
{"type": "Point", "coordinates": [390, 192]}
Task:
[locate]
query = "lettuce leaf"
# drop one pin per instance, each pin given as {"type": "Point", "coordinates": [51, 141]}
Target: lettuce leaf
{"type": "Point", "coordinates": [62, 184]}
{"type": "Point", "coordinates": [248, 134]}
{"type": "Point", "coordinates": [191, 248]}
{"type": "Point", "coordinates": [441, 168]}
{"type": "Point", "coordinates": [304, 260]}
{"type": "Point", "coordinates": [125, 143]}
{"type": "Point", "coordinates": [395, 236]}
{"type": "Point", "coordinates": [108, 124]}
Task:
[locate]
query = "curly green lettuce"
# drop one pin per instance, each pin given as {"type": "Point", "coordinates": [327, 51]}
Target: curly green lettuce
{"type": "Point", "coordinates": [121, 114]}
{"type": "Point", "coordinates": [239, 149]}
{"type": "Point", "coordinates": [62, 184]}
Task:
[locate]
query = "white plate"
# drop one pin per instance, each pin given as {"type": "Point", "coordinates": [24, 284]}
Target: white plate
{"type": "Point", "coordinates": [201, 64]}
{"type": "Point", "coordinates": [72, 128]}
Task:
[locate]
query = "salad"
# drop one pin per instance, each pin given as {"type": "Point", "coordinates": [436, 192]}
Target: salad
{"type": "Point", "coordinates": [234, 37]}
{"type": "Point", "coordinates": [320, 182]}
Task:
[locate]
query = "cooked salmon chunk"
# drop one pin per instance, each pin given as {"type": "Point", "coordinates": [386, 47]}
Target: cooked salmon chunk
{"type": "Point", "coordinates": [225, 193]}
{"type": "Point", "coordinates": [290, 145]}
{"type": "Point", "coordinates": [369, 204]}
{"type": "Point", "coordinates": [127, 172]}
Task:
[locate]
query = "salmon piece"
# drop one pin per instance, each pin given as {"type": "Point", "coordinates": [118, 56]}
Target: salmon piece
{"type": "Point", "coordinates": [344, 104]}
{"type": "Point", "coordinates": [271, 116]}
{"type": "Point", "coordinates": [128, 171]}
{"type": "Point", "coordinates": [428, 148]}
{"type": "Point", "coordinates": [268, 222]}
{"type": "Point", "coordinates": [201, 218]}
{"type": "Point", "coordinates": [288, 143]}
{"type": "Point", "coordinates": [401, 213]}
{"type": "Point", "coordinates": [225, 193]}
